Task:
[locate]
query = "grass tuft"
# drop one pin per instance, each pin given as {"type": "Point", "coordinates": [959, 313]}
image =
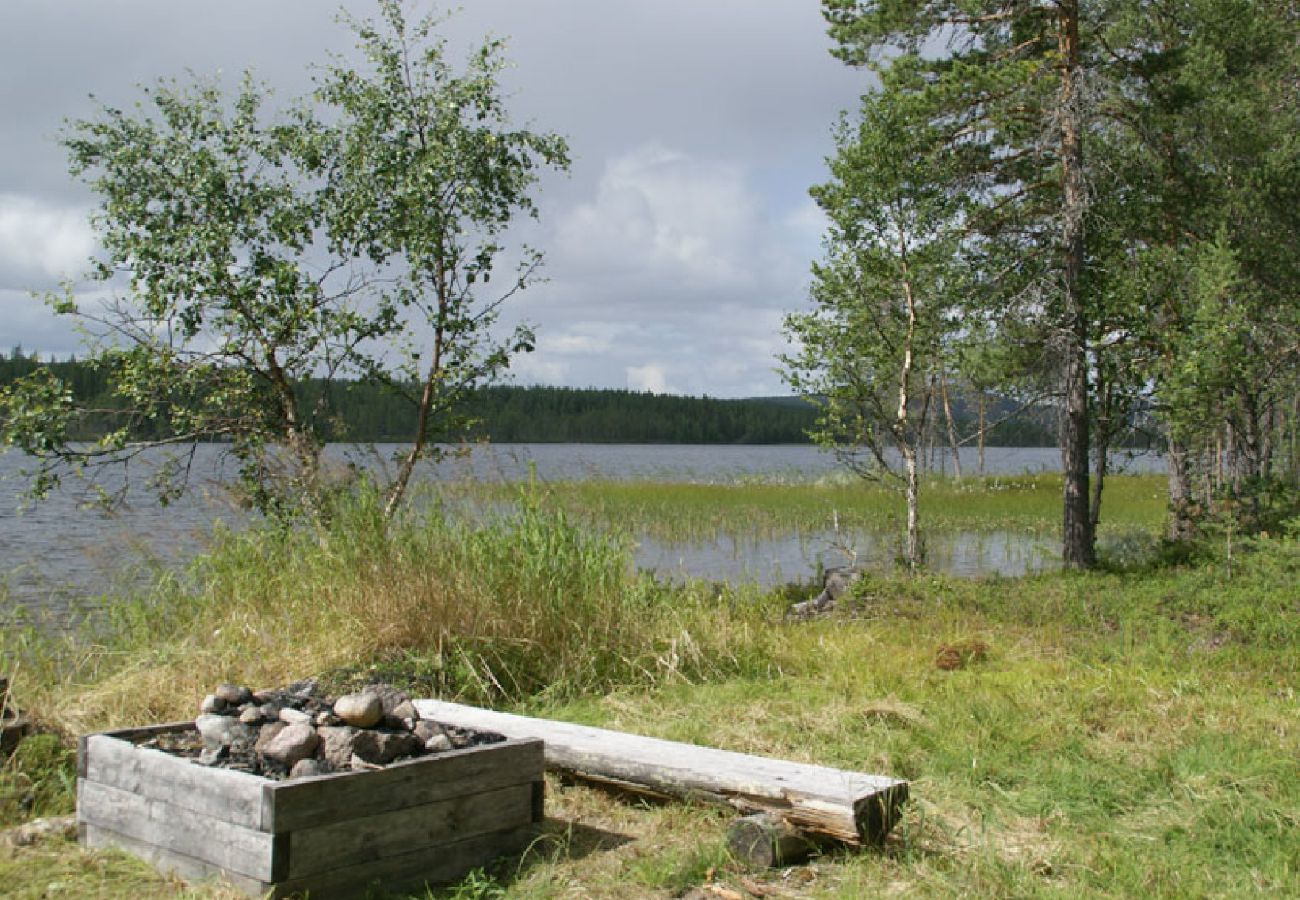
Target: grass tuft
{"type": "Point", "coordinates": [1126, 732]}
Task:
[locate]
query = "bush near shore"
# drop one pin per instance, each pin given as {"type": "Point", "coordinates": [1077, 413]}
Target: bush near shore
{"type": "Point", "coordinates": [1113, 733]}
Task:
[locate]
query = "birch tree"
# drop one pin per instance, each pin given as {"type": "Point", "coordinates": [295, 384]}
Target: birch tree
{"type": "Point", "coordinates": [885, 301]}
{"type": "Point", "coordinates": [354, 236]}
{"type": "Point", "coordinates": [426, 174]}
{"type": "Point", "coordinates": [1000, 85]}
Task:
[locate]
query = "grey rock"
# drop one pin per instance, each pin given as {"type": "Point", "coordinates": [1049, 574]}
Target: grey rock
{"type": "Point", "coordinates": [836, 586]}
{"type": "Point", "coordinates": [233, 694]}
{"type": "Point", "coordinates": [360, 710]}
{"type": "Point", "coordinates": [210, 756]}
{"type": "Point", "coordinates": [251, 715]}
{"type": "Point", "coordinates": [402, 715]}
{"type": "Point", "coordinates": [222, 731]}
{"type": "Point", "coordinates": [390, 697]}
{"type": "Point", "coordinates": [426, 730]}
{"type": "Point", "coordinates": [291, 716]}
{"type": "Point", "coordinates": [357, 764]}
{"type": "Point", "coordinates": [438, 743]}
{"type": "Point", "coordinates": [294, 743]}
{"type": "Point", "coordinates": [64, 827]}
{"type": "Point", "coordinates": [305, 768]}
{"type": "Point", "coordinates": [211, 705]}
{"type": "Point", "coordinates": [382, 747]}
{"type": "Point", "coordinates": [336, 744]}
{"type": "Point", "coordinates": [403, 710]}
{"type": "Point", "coordinates": [266, 734]}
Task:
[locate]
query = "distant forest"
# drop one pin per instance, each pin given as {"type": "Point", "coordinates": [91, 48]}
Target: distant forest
{"type": "Point", "coordinates": [359, 411]}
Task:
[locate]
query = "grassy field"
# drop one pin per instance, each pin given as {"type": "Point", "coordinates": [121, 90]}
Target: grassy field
{"type": "Point", "coordinates": [1131, 732]}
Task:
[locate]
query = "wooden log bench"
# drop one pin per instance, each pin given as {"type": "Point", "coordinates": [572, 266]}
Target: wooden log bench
{"type": "Point", "coordinates": [787, 808]}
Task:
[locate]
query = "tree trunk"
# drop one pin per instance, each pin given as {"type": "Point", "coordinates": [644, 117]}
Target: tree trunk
{"type": "Point", "coordinates": [302, 445]}
{"type": "Point", "coordinates": [1078, 549]}
{"type": "Point", "coordinates": [952, 428]}
{"type": "Point", "coordinates": [1101, 467]}
{"type": "Point", "coordinates": [1102, 435]}
{"type": "Point", "coordinates": [397, 490]}
{"type": "Point", "coordinates": [912, 552]}
{"type": "Point", "coordinates": [983, 414]}
{"type": "Point", "coordinates": [1294, 437]}
{"type": "Point", "coordinates": [905, 438]}
{"type": "Point", "coordinates": [1180, 526]}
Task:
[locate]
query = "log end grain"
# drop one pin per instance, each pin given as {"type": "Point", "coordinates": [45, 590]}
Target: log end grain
{"type": "Point", "coordinates": [764, 841]}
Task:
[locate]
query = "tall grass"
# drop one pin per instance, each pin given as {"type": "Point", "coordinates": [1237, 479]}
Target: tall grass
{"type": "Point", "coordinates": [527, 606]}
{"type": "Point", "coordinates": [1113, 733]}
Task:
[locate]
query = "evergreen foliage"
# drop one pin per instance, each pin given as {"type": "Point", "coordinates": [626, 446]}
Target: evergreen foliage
{"type": "Point", "coordinates": [1123, 178]}
{"type": "Point", "coordinates": [363, 411]}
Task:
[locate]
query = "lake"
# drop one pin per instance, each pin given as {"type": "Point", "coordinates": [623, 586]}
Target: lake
{"type": "Point", "coordinates": [58, 552]}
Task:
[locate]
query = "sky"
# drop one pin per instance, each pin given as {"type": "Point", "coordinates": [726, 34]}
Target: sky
{"type": "Point", "coordinates": [676, 243]}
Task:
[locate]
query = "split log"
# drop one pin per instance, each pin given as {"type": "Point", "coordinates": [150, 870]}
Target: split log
{"type": "Point", "coordinates": [765, 841]}
{"type": "Point", "coordinates": [849, 807]}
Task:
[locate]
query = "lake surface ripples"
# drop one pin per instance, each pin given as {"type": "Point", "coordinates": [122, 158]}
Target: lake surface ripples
{"type": "Point", "coordinates": [59, 553]}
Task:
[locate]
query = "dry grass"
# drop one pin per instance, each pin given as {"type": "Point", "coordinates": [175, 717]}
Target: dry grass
{"type": "Point", "coordinates": [1095, 745]}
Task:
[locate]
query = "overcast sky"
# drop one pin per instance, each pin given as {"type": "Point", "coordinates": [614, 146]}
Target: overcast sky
{"type": "Point", "coordinates": [674, 246]}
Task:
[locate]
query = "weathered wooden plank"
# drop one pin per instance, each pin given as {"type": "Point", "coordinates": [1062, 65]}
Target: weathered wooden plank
{"type": "Point", "coordinates": [292, 805]}
{"type": "Point", "coordinates": [362, 840]}
{"type": "Point", "coordinates": [849, 806]}
{"type": "Point", "coordinates": [126, 734]}
{"type": "Point", "coordinates": [96, 837]}
{"type": "Point", "coordinates": [410, 870]}
{"type": "Point", "coordinates": [143, 732]}
{"type": "Point", "coordinates": [223, 794]}
{"type": "Point", "coordinates": [169, 827]}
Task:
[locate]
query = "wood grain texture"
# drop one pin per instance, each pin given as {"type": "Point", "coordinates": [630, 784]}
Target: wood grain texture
{"type": "Point", "coordinates": [410, 870]}
{"type": "Point", "coordinates": [764, 841]}
{"type": "Point", "coordinates": [223, 794]}
{"type": "Point", "coordinates": [293, 805]}
{"type": "Point", "coordinates": [233, 848]}
{"type": "Point", "coordinates": [851, 807]}
{"type": "Point", "coordinates": [95, 837]}
{"type": "Point", "coordinates": [373, 838]}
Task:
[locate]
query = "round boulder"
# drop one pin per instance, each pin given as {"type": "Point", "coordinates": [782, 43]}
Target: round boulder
{"type": "Point", "coordinates": [293, 744]}
{"type": "Point", "coordinates": [359, 710]}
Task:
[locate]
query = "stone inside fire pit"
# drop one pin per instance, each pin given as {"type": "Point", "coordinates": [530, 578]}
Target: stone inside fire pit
{"type": "Point", "coordinates": [298, 731]}
{"type": "Point", "coordinates": [288, 791]}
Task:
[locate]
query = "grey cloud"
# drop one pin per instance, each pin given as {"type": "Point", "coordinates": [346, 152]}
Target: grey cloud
{"type": "Point", "coordinates": [743, 90]}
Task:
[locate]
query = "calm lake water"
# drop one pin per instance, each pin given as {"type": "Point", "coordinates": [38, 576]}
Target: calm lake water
{"type": "Point", "coordinates": [58, 553]}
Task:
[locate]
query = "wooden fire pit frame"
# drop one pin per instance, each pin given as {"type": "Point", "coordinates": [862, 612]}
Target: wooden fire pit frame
{"type": "Point", "coordinates": [425, 820]}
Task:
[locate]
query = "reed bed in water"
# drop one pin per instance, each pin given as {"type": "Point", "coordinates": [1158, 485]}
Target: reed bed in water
{"type": "Point", "coordinates": [763, 508]}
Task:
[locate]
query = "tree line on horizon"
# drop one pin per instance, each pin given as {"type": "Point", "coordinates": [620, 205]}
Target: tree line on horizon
{"type": "Point", "coordinates": [364, 412]}
{"type": "Point", "coordinates": [1083, 214]}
